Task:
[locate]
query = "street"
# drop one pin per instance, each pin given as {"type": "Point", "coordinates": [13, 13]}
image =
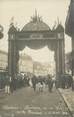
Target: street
{"type": "Point", "coordinates": [27, 103]}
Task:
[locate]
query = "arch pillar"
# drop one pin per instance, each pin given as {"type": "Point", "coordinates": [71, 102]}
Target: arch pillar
{"type": "Point", "coordinates": [60, 57]}
{"type": "Point", "coordinates": [13, 56]}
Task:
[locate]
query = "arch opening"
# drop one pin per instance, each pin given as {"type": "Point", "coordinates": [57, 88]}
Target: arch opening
{"type": "Point", "coordinates": [38, 62]}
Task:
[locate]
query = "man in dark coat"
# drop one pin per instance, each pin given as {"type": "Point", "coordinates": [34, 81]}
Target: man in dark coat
{"type": "Point", "coordinates": [50, 83]}
{"type": "Point", "coordinates": [34, 82]}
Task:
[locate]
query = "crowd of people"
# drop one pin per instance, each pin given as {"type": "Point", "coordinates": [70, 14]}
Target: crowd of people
{"type": "Point", "coordinates": [65, 81]}
{"type": "Point", "coordinates": [41, 82]}
{"type": "Point", "coordinates": [26, 81]}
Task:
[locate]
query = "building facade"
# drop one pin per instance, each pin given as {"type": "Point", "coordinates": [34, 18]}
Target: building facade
{"type": "Point", "coordinates": [43, 69]}
{"type": "Point", "coordinates": [69, 28]}
{"type": "Point", "coordinates": [25, 63]}
{"type": "Point", "coordinates": [3, 60]}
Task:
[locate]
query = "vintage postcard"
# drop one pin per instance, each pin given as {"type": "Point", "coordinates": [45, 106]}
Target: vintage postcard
{"type": "Point", "coordinates": [36, 58]}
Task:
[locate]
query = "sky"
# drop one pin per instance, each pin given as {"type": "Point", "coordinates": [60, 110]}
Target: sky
{"type": "Point", "coordinates": [22, 10]}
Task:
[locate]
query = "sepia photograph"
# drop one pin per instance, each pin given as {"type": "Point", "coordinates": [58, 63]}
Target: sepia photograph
{"type": "Point", "coordinates": [36, 58]}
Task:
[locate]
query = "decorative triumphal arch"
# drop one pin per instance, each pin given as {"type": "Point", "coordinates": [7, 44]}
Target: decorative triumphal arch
{"type": "Point", "coordinates": [35, 34]}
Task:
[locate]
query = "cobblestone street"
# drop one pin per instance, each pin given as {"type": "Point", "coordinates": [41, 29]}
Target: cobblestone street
{"type": "Point", "coordinates": [27, 103]}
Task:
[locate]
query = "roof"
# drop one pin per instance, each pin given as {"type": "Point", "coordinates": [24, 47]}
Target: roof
{"type": "Point", "coordinates": [36, 24]}
{"type": "Point", "coordinates": [60, 28]}
{"type": "Point", "coordinates": [12, 29]}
